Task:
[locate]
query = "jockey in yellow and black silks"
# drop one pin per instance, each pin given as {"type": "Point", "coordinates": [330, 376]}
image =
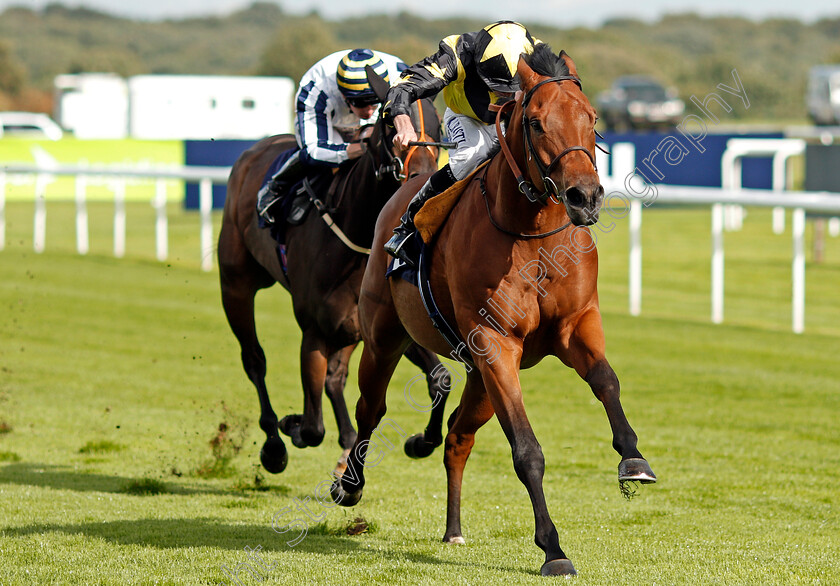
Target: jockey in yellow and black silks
{"type": "Point", "coordinates": [474, 70]}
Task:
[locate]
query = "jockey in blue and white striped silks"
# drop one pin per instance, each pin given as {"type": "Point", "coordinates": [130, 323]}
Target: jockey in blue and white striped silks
{"type": "Point", "coordinates": [323, 115]}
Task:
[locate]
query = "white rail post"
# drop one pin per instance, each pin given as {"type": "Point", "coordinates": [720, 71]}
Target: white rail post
{"type": "Point", "coordinates": [119, 217]}
{"type": "Point", "coordinates": [798, 271]}
{"type": "Point", "coordinates": [635, 257]}
{"type": "Point", "coordinates": [161, 221]}
{"type": "Point", "coordinates": [205, 194]}
{"type": "Point", "coordinates": [734, 218]}
{"type": "Point", "coordinates": [82, 234]}
{"type": "Point", "coordinates": [834, 227]}
{"type": "Point", "coordinates": [780, 182]}
{"type": "Point", "coordinates": [40, 228]}
{"type": "Point", "coordinates": [2, 210]}
{"type": "Point", "coordinates": [717, 262]}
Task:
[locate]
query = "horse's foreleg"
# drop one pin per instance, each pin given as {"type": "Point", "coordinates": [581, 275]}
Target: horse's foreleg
{"type": "Point", "coordinates": [501, 379]}
{"type": "Point", "coordinates": [439, 381]}
{"type": "Point", "coordinates": [337, 368]}
{"type": "Point", "coordinates": [588, 359]}
{"type": "Point", "coordinates": [473, 412]}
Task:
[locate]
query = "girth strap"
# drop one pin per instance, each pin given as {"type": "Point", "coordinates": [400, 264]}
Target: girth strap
{"type": "Point", "coordinates": [452, 337]}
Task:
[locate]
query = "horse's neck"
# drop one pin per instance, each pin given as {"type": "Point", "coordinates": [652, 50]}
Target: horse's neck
{"type": "Point", "coordinates": [359, 198]}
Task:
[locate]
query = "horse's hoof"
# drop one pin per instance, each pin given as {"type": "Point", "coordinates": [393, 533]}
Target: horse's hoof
{"type": "Point", "coordinates": [289, 422]}
{"type": "Point", "coordinates": [636, 469]}
{"type": "Point", "coordinates": [290, 425]}
{"type": "Point", "coordinates": [342, 497]}
{"type": "Point", "coordinates": [417, 447]}
{"type": "Point", "coordinates": [454, 540]}
{"type": "Point", "coordinates": [274, 456]}
{"type": "Point", "coordinates": [558, 568]}
{"type": "Point", "coordinates": [341, 465]}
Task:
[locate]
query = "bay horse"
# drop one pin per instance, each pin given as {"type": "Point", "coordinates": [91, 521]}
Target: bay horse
{"type": "Point", "coordinates": [537, 261]}
{"type": "Point", "coordinates": [323, 276]}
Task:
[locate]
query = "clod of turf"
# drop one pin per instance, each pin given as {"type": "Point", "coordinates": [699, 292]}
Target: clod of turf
{"type": "Point", "coordinates": [358, 526]}
{"type": "Point", "coordinates": [9, 457]}
{"type": "Point", "coordinates": [225, 445]}
{"type": "Point", "coordinates": [5, 427]}
{"type": "Point", "coordinates": [100, 447]}
{"type": "Point", "coordinates": [145, 487]}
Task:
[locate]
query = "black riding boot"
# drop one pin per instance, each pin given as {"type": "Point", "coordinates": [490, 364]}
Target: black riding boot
{"type": "Point", "coordinates": [274, 191]}
{"type": "Point", "coordinates": [403, 233]}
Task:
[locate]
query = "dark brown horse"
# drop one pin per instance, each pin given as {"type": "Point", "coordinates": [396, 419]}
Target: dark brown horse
{"type": "Point", "coordinates": [517, 280]}
{"type": "Point", "coordinates": [323, 275]}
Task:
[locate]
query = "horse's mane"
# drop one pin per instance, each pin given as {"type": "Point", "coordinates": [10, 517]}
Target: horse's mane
{"type": "Point", "coordinates": [545, 62]}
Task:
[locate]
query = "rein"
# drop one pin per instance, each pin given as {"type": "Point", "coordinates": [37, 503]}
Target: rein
{"type": "Point", "coordinates": [394, 165]}
{"type": "Point", "coordinates": [398, 166]}
{"type": "Point", "coordinates": [323, 211]}
{"type": "Point", "coordinates": [482, 184]}
{"type": "Point", "coordinates": [423, 137]}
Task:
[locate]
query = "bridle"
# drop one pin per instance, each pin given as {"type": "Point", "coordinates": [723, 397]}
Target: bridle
{"type": "Point", "coordinates": [524, 186]}
{"type": "Point", "coordinates": [391, 165]}
{"type": "Point", "coordinates": [394, 164]}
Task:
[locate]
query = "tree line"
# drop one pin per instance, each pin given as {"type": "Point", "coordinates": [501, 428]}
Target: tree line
{"type": "Point", "coordinates": [689, 52]}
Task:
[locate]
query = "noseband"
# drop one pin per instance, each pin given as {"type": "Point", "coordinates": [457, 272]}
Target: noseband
{"type": "Point", "coordinates": [528, 189]}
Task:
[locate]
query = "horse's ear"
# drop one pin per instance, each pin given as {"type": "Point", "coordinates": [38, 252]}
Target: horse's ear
{"type": "Point", "coordinates": [569, 63]}
{"type": "Point", "coordinates": [527, 76]}
{"type": "Point", "coordinates": [377, 83]}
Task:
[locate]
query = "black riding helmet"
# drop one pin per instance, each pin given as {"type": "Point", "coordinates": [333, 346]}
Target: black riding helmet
{"type": "Point", "coordinates": [497, 53]}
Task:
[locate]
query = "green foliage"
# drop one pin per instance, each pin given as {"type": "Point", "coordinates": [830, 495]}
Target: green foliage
{"type": "Point", "coordinates": [690, 52]}
{"type": "Point", "coordinates": [297, 44]}
{"type": "Point", "coordinates": [12, 73]}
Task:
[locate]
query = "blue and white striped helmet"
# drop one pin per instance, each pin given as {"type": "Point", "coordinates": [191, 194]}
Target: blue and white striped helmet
{"type": "Point", "coordinates": [352, 79]}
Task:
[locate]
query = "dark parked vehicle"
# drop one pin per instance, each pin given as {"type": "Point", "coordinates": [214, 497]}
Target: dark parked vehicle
{"type": "Point", "coordinates": [824, 95]}
{"type": "Point", "coordinates": [637, 101]}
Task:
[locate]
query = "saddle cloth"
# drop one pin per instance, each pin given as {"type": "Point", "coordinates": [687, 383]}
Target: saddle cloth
{"type": "Point", "coordinates": [432, 216]}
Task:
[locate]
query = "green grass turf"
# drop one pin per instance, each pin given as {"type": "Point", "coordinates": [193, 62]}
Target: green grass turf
{"type": "Point", "coordinates": [115, 376]}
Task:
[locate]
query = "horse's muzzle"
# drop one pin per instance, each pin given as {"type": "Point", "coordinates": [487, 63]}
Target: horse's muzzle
{"type": "Point", "coordinates": [583, 203]}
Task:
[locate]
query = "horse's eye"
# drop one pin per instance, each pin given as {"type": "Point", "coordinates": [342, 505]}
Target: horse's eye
{"type": "Point", "coordinates": [535, 125]}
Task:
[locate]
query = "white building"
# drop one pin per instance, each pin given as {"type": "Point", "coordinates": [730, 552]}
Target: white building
{"type": "Point", "coordinates": [162, 107]}
{"type": "Point", "coordinates": [92, 105]}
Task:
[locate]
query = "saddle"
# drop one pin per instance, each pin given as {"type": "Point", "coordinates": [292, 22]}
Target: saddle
{"type": "Point", "coordinates": [432, 216]}
{"type": "Point", "coordinates": [428, 221]}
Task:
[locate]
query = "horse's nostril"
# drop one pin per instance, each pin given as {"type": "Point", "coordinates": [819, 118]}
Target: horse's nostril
{"type": "Point", "coordinates": [575, 197]}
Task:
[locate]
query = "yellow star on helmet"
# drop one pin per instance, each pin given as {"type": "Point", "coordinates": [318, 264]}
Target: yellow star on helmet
{"type": "Point", "coordinates": [508, 40]}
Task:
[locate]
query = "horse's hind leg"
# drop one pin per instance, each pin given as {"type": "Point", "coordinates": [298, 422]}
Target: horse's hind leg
{"type": "Point", "coordinates": [588, 359]}
{"type": "Point", "coordinates": [241, 277]}
{"type": "Point", "coordinates": [439, 381]}
{"type": "Point", "coordinates": [474, 411]}
{"type": "Point", "coordinates": [337, 368]}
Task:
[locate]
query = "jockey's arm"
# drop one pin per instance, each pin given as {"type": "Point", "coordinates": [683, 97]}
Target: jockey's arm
{"type": "Point", "coordinates": [405, 131]}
